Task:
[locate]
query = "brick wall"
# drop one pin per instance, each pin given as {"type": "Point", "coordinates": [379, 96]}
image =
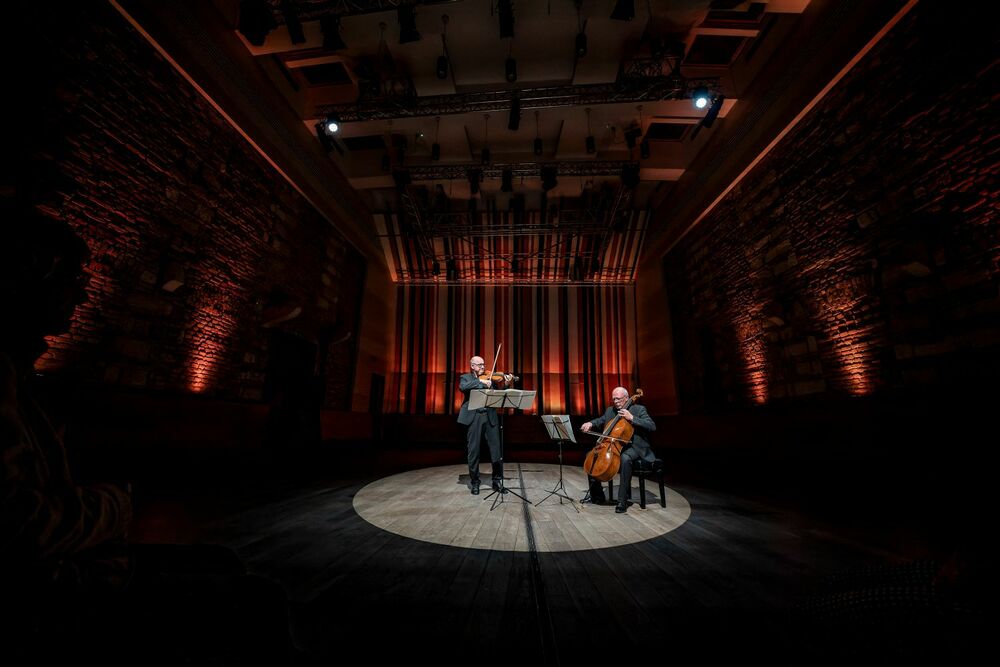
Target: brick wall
{"type": "Point", "coordinates": [118, 144]}
{"type": "Point", "coordinates": [862, 256]}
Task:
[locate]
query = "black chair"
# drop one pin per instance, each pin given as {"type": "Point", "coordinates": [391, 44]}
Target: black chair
{"type": "Point", "coordinates": [640, 469]}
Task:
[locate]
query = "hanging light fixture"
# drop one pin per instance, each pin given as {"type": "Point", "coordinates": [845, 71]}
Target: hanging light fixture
{"type": "Point", "coordinates": [510, 65]}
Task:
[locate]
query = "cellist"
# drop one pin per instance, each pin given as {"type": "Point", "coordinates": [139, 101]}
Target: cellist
{"type": "Point", "coordinates": [637, 448]}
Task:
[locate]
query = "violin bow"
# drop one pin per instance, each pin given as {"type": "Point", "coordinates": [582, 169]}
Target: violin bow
{"type": "Point", "coordinates": [495, 357]}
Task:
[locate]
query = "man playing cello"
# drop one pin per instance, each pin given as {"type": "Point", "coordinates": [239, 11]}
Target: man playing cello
{"type": "Point", "coordinates": [637, 448]}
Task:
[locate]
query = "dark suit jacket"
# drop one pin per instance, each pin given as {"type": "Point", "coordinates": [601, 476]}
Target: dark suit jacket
{"type": "Point", "coordinates": [466, 384]}
{"type": "Point", "coordinates": [642, 423]}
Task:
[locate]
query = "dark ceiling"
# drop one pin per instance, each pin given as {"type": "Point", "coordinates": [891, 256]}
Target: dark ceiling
{"type": "Point", "coordinates": [486, 129]}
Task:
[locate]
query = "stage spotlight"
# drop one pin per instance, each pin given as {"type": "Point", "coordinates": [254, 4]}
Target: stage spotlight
{"type": "Point", "coordinates": [452, 269]}
{"type": "Point", "coordinates": [510, 70]}
{"type": "Point", "coordinates": [329, 25]}
{"type": "Point", "coordinates": [407, 25]}
{"type": "Point", "coordinates": [624, 10]}
{"type": "Point", "coordinates": [506, 181]}
{"type": "Point", "coordinates": [577, 274]}
{"type": "Point", "coordinates": [435, 151]}
{"type": "Point", "coordinates": [591, 144]}
{"type": "Point", "coordinates": [713, 111]}
{"type": "Point", "coordinates": [386, 164]}
{"type": "Point", "coordinates": [700, 97]}
{"type": "Point", "coordinates": [537, 146]}
{"type": "Point", "coordinates": [549, 180]}
{"type": "Point", "coordinates": [442, 67]}
{"type": "Point", "coordinates": [256, 20]}
{"type": "Point", "coordinates": [485, 157]}
{"type": "Point", "coordinates": [436, 268]}
{"type": "Point", "coordinates": [505, 8]}
{"type": "Point", "coordinates": [331, 124]}
{"type": "Point", "coordinates": [514, 117]}
{"type": "Point", "coordinates": [644, 149]}
{"type": "Point", "coordinates": [581, 44]}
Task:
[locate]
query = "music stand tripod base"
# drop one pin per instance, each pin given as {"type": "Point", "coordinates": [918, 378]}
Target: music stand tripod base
{"type": "Point", "coordinates": [560, 431]}
{"type": "Point", "coordinates": [502, 399]}
{"type": "Point", "coordinates": [559, 489]}
{"type": "Point", "coordinates": [500, 493]}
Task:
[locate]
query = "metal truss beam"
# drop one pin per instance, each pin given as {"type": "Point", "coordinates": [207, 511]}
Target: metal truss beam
{"type": "Point", "coordinates": [441, 172]}
{"type": "Point", "coordinates": [644, 89]}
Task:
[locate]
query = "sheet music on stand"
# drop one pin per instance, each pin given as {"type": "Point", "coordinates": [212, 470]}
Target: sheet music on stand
{"type": "Point", "coordinates": [518, 399]}
{"type": "Point", "coordinates": [558, 427]}
{"type": "Point", "coordinates": [560, 431]}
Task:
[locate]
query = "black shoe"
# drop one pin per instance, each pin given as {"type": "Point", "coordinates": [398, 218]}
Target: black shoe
{"type": "Point", "coordinates": [496, 485]}
{"type": "Point", "coordinates": [475, 488]}
{"type": "Point", "coordinates": [621, 508]}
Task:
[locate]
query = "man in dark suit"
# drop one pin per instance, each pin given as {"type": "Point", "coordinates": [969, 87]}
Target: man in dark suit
{"type": "Point", "coordinates": [480, 422]}
{"type": "Point", "coordinates": [638, 448]}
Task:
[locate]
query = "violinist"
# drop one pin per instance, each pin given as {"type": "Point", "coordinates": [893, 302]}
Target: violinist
{"type": "Point", "coordinates": [481, 422]}
{"type": "Point", "coordinates": [637, 448]}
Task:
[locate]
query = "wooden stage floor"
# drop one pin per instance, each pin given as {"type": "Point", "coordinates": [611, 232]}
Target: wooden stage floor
{"type": "Point", "coordinates": [409, 565]}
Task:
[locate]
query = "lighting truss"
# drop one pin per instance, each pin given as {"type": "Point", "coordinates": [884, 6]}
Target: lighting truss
{"type": "Point", "coordinates": [627, 89]}
{"type": "Point", "coordinates": [585, 168]}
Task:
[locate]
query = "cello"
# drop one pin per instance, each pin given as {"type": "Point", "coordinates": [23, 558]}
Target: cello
{"type": "Point", "coordinates": [603, 461]}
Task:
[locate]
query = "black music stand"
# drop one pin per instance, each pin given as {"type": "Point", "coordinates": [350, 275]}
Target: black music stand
{"type": "Point", "coordinates": [501, 399]}
{"type": "Point", "coordinates": [560, 431]}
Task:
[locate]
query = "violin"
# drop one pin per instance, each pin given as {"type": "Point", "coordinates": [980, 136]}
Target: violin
{"type": "Point", "coordinates": [604, 460]}
{"type": "Point", "coordinates": [499, 379]}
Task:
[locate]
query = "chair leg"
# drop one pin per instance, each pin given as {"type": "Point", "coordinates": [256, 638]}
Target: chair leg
{"type": "Point", "coordinates": [663, 495]}
{"type": "Point", "coordinates": [611, 491]}
{"type": "Point", "coordinates": [642, 491]}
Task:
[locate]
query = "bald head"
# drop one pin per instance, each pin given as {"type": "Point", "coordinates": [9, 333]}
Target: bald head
{"type": "Point", "coordinates": [477, 365]}
{"type": "Point", "coordinates": [619, 396]}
